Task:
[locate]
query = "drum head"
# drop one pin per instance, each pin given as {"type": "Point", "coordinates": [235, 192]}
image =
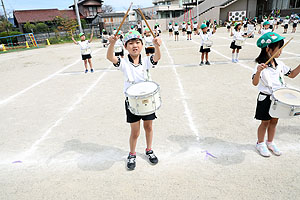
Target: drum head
{"type": "Point", "coordinates": [288, 96]}
{"type": "Point", "coordinates": [141, 89]}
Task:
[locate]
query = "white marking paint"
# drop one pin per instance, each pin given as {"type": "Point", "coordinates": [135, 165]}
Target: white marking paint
{"type": "Point", "coordinates": [34, 147]}
{"type": "Point", "coordinates": [7, 100]}
{"type": "Point", "coordinates": [183, 97]}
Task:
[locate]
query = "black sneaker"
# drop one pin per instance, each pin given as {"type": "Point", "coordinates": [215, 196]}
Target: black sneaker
{"type": "Point", "coordinates": [207, 63]}
{"type": "Point", "coordinates": [202, 63]}
{"type": "Point", "coordinates": [131, 162]}
{"type": "Point", "coordinates": [152, 158]}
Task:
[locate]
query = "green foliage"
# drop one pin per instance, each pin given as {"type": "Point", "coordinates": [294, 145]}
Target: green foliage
{"type": "Point", "coordinates": [12, 39]}
{"type": "Point", "coordinates": [83, 23]}
{"type": "Point", "coordinates": [4, 24]}
{"type": "Point", "coordinates": [29, 27]}
{"type": "Point", "coordinates": [41, 27]}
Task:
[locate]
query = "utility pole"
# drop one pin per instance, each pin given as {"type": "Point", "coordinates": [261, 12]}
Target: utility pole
{"type": "Point", "coordinates": [4, 10]}
{"type": "Point", "coordinates": [197, 10]}
{"type": "Point", "coordinates": [77, 15]}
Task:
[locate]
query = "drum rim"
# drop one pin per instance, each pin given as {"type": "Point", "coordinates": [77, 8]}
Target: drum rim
{"type": "Point", "coordinates": [277, 100]}
{"type": "Point", "coordinates": [143, 96]}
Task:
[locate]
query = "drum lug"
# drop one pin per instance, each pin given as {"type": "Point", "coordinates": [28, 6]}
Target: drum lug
{"type": "Point", "coordinates": [292, 110]}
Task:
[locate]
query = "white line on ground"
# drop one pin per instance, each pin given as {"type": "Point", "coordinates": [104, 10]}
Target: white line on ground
{"type": "Point", "coordinates": [183, 97]}
{"type": "Point", "coordinates": [33, 147]}
{"type": "Point", "coordinates": [7, 100]}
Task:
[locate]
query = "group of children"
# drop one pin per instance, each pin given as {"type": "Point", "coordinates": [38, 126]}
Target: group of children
{"type": "Point", "coordinates": [133, 63]}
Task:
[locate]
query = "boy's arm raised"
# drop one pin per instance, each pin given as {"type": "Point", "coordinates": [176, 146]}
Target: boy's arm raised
{"type": "Point", "coordinates": [110, 51]}
{"type": "Point", "coordinates": [157, 54]}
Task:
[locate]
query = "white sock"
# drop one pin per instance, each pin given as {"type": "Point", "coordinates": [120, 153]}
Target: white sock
{"type": "Point", "coordinates": [237, 55]}
{"type": "Point", "coordinates": [232, 56]}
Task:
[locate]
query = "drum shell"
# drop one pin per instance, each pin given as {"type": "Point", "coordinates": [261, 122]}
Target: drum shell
{"type": "Point", "coordinates": [146, 104]}
{"type": "Point", "coordinates": [239, 43]}
{"type": "Point", "coordinates": [207, 44]}
{"type": "Point", "coordinates": [280, 109]}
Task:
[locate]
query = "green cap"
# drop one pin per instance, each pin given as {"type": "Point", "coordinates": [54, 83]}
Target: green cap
{"type": "Point", "coordinates": [204, 21]}
{"type": "Point", "coordinates": [189, 23]}
{"type": "Point", "coordinates": [287, 17]}
{"type": "Point", "coordinates": [195, 22]}
{"type": "Point", "coordinates": [203, 26]}
{"type": "Point", "coordinates": [176, 24]}
{"type": "Point", "coordinates": [268, 38]}
{"type": "Point", "coordinates": [81, 34]}
{"type": "Point", "coordinates": [266, 23]}
{"type": "Point", "coordinates": [147, 29]}
{"type": "Point", "coordinates": [170, 23]}
{"type": "Point", "coordinates": [132, 35]}
{"type": "Point", "coordinates": [115, 29]}
{"type": "Point", "coordinates": [132, 26]}
{"type": "Point", "coordinates": [103, 30]}
{"type": "Point", "coordinates": [272, 18]}
{"type": "Point", "coordinates": [265, 17]}
{"type": "Point", "coordinates": [237, 23]}
{"type": "Point", "coordinates": [183, 22]}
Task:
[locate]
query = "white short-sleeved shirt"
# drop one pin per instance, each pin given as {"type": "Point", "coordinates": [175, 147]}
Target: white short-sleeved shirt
{"type": "Point", "coordinates": [295, 21]}
{"type": "Point", "coordinates": [263, 31]}
{"type": "Point", "coordinates": [205, 37]}
{"type": "Point", "coordinates": [138, 72]}
{"type": "Point", "coordinates": [176, 28]}
{"type": "Point", "coordinates": [237, 35]}
{"type": "Point", "coordinates": [286, 21]}
{"type": "Point", "coordinates": [170, 27]}
{"type": "Point", "coordinates": [85, 47]}
{"type": "Point", "coordinates": [271, 21]}
{"type": "Point", "coordinates": [196, 25]}
{"type": "Point", "coordinates": [271, 79]}
{"type": "Point", "coordinates": [118, 46]}
{"type": "Point", "coordinates": [189, 28]}
{"type": "Point", "coordinates": [148, 41]}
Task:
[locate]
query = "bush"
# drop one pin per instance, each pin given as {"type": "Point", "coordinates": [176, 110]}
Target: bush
{"type": "Point", "coordinates": [29, 27]}
{"type": "Point", "coordinates": [5, 34]}
{"type": "Point", "coordinates": [41, 27]}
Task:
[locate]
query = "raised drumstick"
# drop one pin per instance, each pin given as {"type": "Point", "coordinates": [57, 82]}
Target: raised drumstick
{"type": "Point", "coordinates": [141, 13]}
{"type": "Point", "coordinates": [278, 52]}
{"type": "Point", "coordinates": [124, 18]}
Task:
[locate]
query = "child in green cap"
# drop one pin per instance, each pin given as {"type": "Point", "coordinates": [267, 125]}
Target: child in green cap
{"type": "Point", "coordinates": [149, 46]}
{"type": "Point", "coordinates": [85, 50]}
{"type": "Point", "coordinates": [176, 31]}
{"type": "Point", "coordinates": [195, 28]}
{"type": "Point", "coordinates": [286, 24]}
{"type": "Point", "coordinates": [204, 35]}
{"type": "Point", "coordinates": [189, 28]}
{"type": "Point", "coordinates": [183, 28]}
{"type": "Point", "coordinates": [170, 26]}
{"type": "Point", "coordinates": [266, 28]}
{"type": "Point", "coordinates": [135, 67]}
{"type": "Point", "coordinates": [295, 22]}
{"type": "Point", "coordinates": [269, 78]}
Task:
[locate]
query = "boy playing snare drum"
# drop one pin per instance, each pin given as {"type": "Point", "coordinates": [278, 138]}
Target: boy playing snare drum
{"type": "Point", "coordinates": [135, 67]}
{"type": "Point", "coordinates": [204, 38]}
{"type": "Point", "coordinates": [269, 78]}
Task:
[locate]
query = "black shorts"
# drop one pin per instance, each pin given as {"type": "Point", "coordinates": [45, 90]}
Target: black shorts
{"type": "Point", "coordinates": [245, 25]}
{"type": "Point", "coordinates": [271, 26]}
{"type": "Point", "coordinates": [131, 118]}
{"type": "Point", "coordinates": [286, 26]}
{"type": "Point", "coordinates": [195, 29]}
{"type": "Point", "coordinates": [204, 50]}
{"type": "Point", "coordinates": [119, 53]}
{"type": "Point", "coordinates": [140, 30]}
{"type": "Point", "coordinates": [263, 107]}
{"type": "Point", "coordinates": [176, 32]}
{"type": "Point", "coordinates": [189, 32]}
{"type": "Point", "coordinates": [170, 30]}
{"type": "Point", "coordinates": [183, 29]}
{"type": "Point", "coordinates": [233, 46]}
{"type": "Point", "coordinates": [294, 25]}
{"type": "Point", "coordinates": [88, 56]}
{"type": "Point", "coordinates": [228, 27]}
{"type": "Point", "coordinates": [150, 50]}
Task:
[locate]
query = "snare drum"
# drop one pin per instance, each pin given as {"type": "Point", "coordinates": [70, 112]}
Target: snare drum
{"type": "Point", "coordinates": [207, 44]}
{"type": "Point", "coordinates": [285, 103]}
{"type": "Point", "coordinates": [143, 98]}
{"type": "Point", "coordinates": [240, 42]}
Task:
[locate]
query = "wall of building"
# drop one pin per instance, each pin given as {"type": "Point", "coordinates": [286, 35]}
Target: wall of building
{"type": "Point", "coordinates": [240, 5]}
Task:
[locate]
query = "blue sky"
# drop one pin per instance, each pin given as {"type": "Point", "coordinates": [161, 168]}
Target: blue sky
{"type": "Point", "coordinates": [11, 5]}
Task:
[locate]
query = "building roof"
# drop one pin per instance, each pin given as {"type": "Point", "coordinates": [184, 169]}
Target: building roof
{"type": "Point", "coordinates": [42, 15]}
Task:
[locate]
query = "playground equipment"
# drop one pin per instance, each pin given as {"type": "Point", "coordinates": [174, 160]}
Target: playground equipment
{"type": "Point", "coordinates": [18, 41]}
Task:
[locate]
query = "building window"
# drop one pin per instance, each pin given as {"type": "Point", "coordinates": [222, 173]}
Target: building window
{"type": "Point", "coordinates": [294, 3]}
{"type": "Point", "coordinates": [92, 11]}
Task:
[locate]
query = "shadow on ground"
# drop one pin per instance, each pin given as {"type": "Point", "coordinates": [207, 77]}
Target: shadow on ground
{"type": "Point", "coordinates": [92, 157]}
{"type": "Point", "coordinates": [218, 151]}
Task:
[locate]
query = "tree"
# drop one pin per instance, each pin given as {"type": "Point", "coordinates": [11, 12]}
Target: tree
{"type": "Point", "coordinates": [83, 23]}
{"type": "Point", "coordinates": [107, 8]}
{"type": "Point", "coordinates": [65, 24]}
{"type": "Point", "coordinates": [4, 24]}
{"type": "Point", "coordinates": [41, 27]}
{"type": "Point", "coordinates": [29, 27]}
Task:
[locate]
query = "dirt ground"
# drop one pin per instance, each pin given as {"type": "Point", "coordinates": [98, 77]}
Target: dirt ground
{"type": "Point", "coordinates": [64, 136]}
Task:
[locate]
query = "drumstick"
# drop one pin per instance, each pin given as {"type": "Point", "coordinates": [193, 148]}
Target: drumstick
{"type": "Point", "coordinates": [277, 52]}
{"type": "Point", "coordinates": [123, 20]}
{"type": "Point", "coordinates": [141, 13]}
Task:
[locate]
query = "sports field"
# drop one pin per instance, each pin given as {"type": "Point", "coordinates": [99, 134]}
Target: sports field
{"type": "Point", "coordinates": [63, 133]}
